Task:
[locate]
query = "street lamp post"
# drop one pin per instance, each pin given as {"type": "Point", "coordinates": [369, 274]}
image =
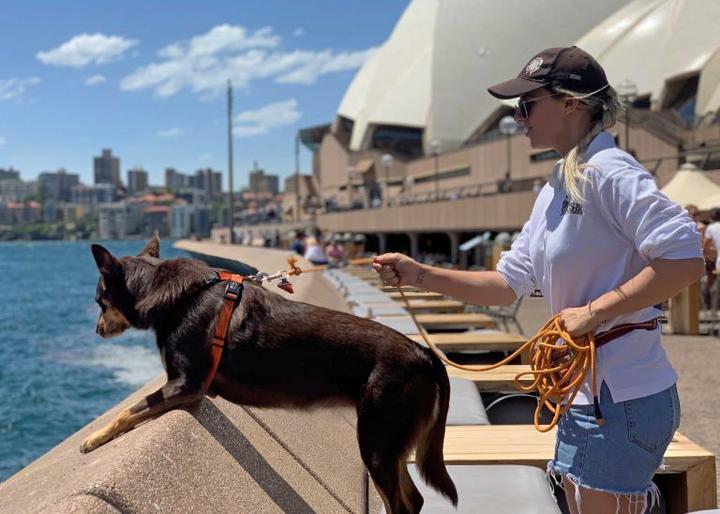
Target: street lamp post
{"type": "Point", "coordinates": [387, 161]}
{"type": "Point", "coordinates": [508, 126]}
{"type": "Point", "coordinates": [231, 213]}
{"type": "Point", "coordinates": [627, 90]}
{"type": "Point", "coordinates": [436, 148]}
{"type": "Point", "coordinates": [297, 176]}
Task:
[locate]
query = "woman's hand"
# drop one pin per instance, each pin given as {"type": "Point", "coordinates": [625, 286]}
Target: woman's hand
{"type": "Point", "coordinates": [396, 269]}
{"type": "Point", "coordinates": [578, 321]}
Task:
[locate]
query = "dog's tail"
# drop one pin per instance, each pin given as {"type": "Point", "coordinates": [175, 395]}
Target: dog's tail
{"type": "Point", "coordinates": [429, 452]}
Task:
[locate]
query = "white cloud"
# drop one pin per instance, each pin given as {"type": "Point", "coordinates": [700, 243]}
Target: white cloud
{"type": "Point", "coordinates": [205, 63]}
{"type": "Point", "coordinates": [95, 79]}
{"type": "Point", "coordinates": [205, 157]}
{"type": "Point", "coordinates": [228, 37]}
{"type": "Point", "coordinates": [85, 49]}
{"type": "Point", "coordinates": [171, 132]}
{"type": "Point", "coordinates": [12, 88]}
{"type": "Point", "coordinates": [2, 141]}
{"type": "Point", "coordinates": [253, 123]}
{"type": "Point", "coordinates": [299, 32]}
{"type": "Point", "coordinates": [313, 65]}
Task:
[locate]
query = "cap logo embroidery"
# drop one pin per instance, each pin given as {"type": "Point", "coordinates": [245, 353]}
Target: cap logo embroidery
{"type": "Point", "coordinates": [533, 65]}
{"type": "Point", "coordinates": [574, 76]}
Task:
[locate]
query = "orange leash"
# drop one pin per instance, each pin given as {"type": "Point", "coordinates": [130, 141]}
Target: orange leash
{"type": "Point", "coordinates": [558, 363]}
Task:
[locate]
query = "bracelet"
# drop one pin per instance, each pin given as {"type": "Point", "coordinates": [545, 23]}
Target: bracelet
{"type": "Point", "coordinates": [590, 308]}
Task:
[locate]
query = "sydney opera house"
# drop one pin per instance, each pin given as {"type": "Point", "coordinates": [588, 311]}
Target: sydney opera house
{"type": "Point", "coordinates": [417, 158]}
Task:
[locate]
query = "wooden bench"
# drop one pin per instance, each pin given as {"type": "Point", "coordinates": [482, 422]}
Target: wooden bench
{"type": "Point", "coordinates": [688, 481]}
{"type": "Point", "coordinates": [465, 341]}
{"type": "Point", "coordinates": [416, 295]}
{"type": "Point", "coordinates": [365, 271]}
{"type": "Point", "coordinates": [393, 289]}
{"type": "Point", "coordinates": [496, 380]}
{"type": "Point", "coordinates": [435, 306]}
{"type": "Point", "coordinates": [461, 319]}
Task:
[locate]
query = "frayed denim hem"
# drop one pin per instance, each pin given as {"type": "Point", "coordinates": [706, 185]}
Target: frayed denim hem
{"type": "Point", "coordinates": [644, 499]}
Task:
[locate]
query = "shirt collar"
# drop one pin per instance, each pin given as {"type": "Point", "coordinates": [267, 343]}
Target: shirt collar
{"type": "Point", "coordinates": [602, 141]}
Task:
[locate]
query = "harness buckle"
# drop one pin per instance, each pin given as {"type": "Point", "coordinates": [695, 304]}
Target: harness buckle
{"type": "Point", "coordinates": [232, 290]}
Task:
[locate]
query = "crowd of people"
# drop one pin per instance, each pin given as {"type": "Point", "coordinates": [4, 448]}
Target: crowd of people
{"type": "Point", "coordinates": [316, 250]}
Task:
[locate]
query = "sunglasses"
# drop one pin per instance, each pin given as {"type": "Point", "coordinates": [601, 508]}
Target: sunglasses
{"type": "Point", "coordinates": [523, 108]}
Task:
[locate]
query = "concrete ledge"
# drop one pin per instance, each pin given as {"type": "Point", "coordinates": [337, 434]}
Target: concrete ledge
{"type": "Point", "coordinates": [216, 457]}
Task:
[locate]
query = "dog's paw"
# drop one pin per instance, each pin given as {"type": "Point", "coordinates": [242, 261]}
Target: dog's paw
{"type": "Point", "coordinates": [94, 441]}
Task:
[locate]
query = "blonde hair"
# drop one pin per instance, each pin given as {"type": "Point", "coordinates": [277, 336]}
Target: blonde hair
{"type": "Point", "coordinates": [606, 108]}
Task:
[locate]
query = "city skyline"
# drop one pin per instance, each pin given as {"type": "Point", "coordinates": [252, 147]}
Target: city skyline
{"type": "Point", "coordinates": [149, 81]}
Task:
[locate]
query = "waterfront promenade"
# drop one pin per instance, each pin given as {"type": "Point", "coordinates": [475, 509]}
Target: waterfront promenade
{"type": "Point", "coordinates": [273, 456]}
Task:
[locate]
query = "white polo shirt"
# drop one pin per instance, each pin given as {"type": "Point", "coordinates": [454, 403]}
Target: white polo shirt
{"type": "Point", "coordinates": [575, 253]}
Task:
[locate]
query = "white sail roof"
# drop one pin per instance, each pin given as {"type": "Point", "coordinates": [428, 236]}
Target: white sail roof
{"type": "Point", "coordinates": [434, 69]}
{"type": "Point", "coordinates": [652, 41]}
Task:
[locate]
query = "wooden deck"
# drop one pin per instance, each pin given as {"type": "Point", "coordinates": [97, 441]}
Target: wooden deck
{"type": "Point", "coordinates": [688, 481]}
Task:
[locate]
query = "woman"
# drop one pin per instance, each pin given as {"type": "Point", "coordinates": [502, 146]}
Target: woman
{"type": "Point", "coordinates": [604, 247]}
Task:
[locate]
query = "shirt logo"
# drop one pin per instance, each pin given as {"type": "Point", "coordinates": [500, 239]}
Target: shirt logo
{"type": "Point", "coordinates": [569, 207]}
{"type": "Point", "coordinates": [533, 65]}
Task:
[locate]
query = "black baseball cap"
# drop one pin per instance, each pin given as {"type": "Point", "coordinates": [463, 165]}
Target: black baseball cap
{"type": "Point", "coordinates": [568, 68]}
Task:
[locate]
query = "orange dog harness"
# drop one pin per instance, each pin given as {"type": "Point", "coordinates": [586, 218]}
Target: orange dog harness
{"type": "Point", "coordinates": [231, 299]}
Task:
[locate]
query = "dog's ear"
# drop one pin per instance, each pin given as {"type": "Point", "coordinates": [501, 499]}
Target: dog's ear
{"type": "Point", "coordinates": [107, 264]}
{"type": "Point", "coordinates": [152, 249]}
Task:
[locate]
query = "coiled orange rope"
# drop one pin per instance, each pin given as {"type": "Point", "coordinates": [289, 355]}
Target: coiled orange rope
{"type": "Point", "coordinates": [558, 363]}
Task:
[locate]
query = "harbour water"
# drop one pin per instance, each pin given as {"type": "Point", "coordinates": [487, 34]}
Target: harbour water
{"type": "Point", "coordinates": [56, 374]}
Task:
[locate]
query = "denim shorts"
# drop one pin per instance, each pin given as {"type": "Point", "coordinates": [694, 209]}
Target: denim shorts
{"type": "Point", "coordinates": [623, 454]}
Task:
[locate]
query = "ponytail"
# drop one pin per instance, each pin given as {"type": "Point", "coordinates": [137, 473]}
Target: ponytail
{"type": "Point", "coordinates": [606, 108]}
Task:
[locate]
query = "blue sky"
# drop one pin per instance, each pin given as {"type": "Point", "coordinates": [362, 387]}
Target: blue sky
{"type": "Point", "coordinates": [147, 79]}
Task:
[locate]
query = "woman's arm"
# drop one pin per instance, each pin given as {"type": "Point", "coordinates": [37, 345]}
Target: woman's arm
{"type": "Point", "coordinates": [476, 287]}
{"type": "Point", "coordinates": [656, 283]}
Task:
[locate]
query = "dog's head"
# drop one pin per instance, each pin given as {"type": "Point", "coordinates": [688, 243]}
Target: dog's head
{"type": "Point", "coordinates": [117, 291]}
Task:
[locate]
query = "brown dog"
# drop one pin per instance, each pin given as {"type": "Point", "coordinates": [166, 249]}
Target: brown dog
{"type": "Point", "coordinates": [281, 353]}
